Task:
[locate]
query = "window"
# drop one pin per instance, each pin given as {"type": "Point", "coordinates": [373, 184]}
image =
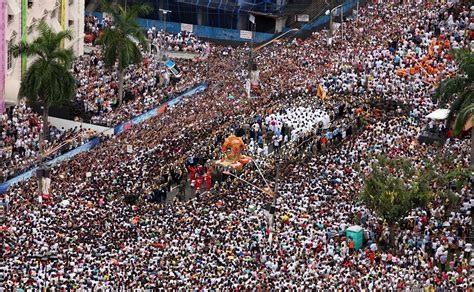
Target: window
{"type": "Point", "coordinates": [10, 54]}
{"type": "Point", "coordinates": [30, 3]}
{"type": "Point", "coordinates": [71, 22]}
{"type": "Point", "coordinates": [10, 18]}
{"type": "Point", "coordinates": [71, 2]}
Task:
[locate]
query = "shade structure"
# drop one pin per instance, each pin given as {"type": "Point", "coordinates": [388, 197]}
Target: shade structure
{"type": "Point", "coordinates": [439, 114]}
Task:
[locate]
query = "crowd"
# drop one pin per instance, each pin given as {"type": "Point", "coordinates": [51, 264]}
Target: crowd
{"type": "Point", "coordinates": [106, 229]}
{"type": "Point", "coordinates": [19, 140]}
{"type": "Point", "coordinates": [181, 42]}
{"type": "Point", "coordinates": [147, 85]}
{"type": "Point", "coordinates": [93, 28]}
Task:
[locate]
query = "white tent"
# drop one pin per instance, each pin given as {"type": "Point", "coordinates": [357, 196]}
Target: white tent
{"type": "Point", "coordinates": [439, 114]}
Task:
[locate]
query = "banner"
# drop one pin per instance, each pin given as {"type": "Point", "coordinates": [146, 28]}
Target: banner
{"type": "Point", "coordinates": [186, 27]}
{"type": "Point", "coordinates": [320, 92]}
{"type": "Point", "coordinates": [246, 34]}
{"type": "Point", "coordinates": [255, 77]}
{"type": "Point", "coordinates": [45, 186]}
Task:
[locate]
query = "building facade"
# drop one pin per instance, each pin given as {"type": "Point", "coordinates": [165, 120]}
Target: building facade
{"type": "Point", "coordinates": [18, 21]}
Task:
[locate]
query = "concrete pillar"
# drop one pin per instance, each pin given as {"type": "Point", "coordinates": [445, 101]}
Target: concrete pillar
{"type": "Point", "coordinates": [243, 22]}
{"type": "Point", "coordinates": [279, 24]}
{"type": "Point", "coordinates": [200, 17]}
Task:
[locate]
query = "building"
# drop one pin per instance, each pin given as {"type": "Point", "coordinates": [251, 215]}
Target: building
{"type": "Point", "coordinates": [17, 24]}
{"type": "Point", "coordinates": [272, 16]}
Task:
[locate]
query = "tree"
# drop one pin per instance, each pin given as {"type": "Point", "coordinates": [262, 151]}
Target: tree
{"type": "Point", "coordinates": [121, 42]}
{"type": "Point", "coordinates": [48, 80]}
{"type": "Point", "coordinates": [459, 90]}
{"type": "Point", "coordinates": [394, 188]}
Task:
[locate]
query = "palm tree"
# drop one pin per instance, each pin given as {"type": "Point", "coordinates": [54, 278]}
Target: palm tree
{"type": "Point", "coordinates": [48, 81]}
{"type": "Point", "coordinates": [461, 87]}
{"type": "Point", "coordinates": [121, 42]}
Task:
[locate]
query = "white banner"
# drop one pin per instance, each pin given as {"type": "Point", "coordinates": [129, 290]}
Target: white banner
{"type": "Point", "coordinates": [186, 27]}
{"type": "Point", "coordinates": [255, 77]}
{"type": "Point", "coordinates": [302, 17]}
{"type": "Point", "coordinates": [46, 184]}
{"type": "Point", "coordinates": [246, 34]}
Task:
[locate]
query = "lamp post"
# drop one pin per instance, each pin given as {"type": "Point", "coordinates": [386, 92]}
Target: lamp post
{"type": "Point", "coordinates": [165, 12]}
{"type": "Point", "coordinates": [275, 194]}
{"type": "Point", "coordinates": [331, 13]}
{"type": "Point", "coordinates": [252, 28]}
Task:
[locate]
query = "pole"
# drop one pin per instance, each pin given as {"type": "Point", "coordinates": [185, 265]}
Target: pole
{"type": "Point", "coordinates": [165, 13]}
{"type": "Point", "coordinates": [275, 194]}
{"type": "Point", "coordinates": [342, 27]}
{"type": "Point", "coordinates": [357, 17]}
{"type": "Point", "coordinates": [251, 57]}
{"type": "Point", "coordinates": [329, 41]}
{"type": "Point", "coordinates": [165, 23]}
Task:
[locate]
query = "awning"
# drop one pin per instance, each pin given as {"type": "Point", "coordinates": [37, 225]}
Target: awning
{"type": "Point", "coordinates": [439, 114]}
{"type": "Point", "coordinates": [13, 7]}
{"type": "Point", "coordinates": [170, 64]}
{"type": "Point", "coordinates": [55, 25]}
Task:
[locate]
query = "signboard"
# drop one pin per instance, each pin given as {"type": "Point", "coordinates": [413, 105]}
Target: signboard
{"type": "Point", "coordinates": [255, 77]}
{"type": "Point", "coordinates": [252, 18]}
{"type": "Point", "coordinates": [302, 18]}
{"type": "Point", "coordinates": [186, 27]}
{"type": "Point", "coordinates": [246, 34]}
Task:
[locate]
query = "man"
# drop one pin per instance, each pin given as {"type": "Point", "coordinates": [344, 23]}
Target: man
{"type": "Point", "coordinates": [182, 190]}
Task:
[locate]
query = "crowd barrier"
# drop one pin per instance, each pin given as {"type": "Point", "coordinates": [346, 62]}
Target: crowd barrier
{"type": "Point", "coordinates": [154, 112]}
{"type": "Point", "coordinates": [94, 142]}
{"type": "Point", "coordinates": [86, 147]}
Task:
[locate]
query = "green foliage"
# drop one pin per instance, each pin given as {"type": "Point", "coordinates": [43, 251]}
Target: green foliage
{"type": "Point", "coordinates": [395, 187]}
{"type": "Point", "coordinates": [459, 87]}
{"type": "Point", "coordinates": [120, 43]}
{"type": "Point", "coordinates": [48, 80]}
{"type": "Point", "coordinates": [463, 116]}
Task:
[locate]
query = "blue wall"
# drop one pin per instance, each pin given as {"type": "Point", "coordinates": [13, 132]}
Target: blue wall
{"type": "Point", "coordinates": [201, 31]}
{"type": "Point", "coordinates": [218, 33]}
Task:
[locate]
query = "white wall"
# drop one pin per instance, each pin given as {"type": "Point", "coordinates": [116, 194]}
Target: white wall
{"type": "Point", "coordinates": [68, 124]}
{"type": "Point", "coordinates": [50, 11]}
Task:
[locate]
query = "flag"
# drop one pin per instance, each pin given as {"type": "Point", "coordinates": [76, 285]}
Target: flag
{"type": "Point", "coordinates": [320, 92]}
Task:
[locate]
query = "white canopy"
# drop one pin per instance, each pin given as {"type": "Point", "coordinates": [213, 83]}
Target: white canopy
{"type": "Point", "coordinates": [439, 114]}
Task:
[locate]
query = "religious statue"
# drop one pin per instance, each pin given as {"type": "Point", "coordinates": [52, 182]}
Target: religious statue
{"type": "Point", "coordinates": [232, 150]}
